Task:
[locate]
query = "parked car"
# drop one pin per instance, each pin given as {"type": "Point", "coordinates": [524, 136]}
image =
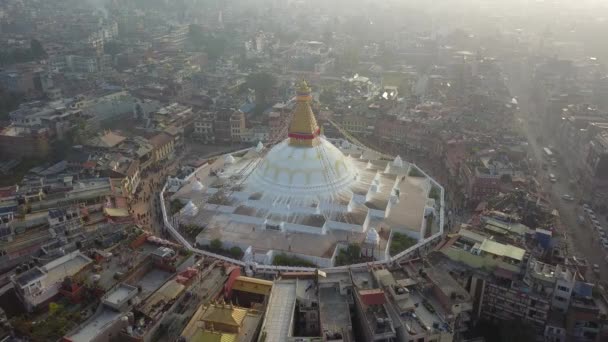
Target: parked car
{"type": "Point", "coordinates": [567, 197]}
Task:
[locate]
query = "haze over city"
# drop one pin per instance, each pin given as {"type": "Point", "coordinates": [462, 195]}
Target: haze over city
{"type": "Point", "coordinates": [303, 170]}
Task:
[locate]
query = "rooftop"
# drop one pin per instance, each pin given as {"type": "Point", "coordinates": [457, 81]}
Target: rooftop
{"type": "Point", "coordinates": [246, 320]}
{"type": "Point", "coordinates": [119, 295]}
{"type": "Point", "coordinates": [500, 249]}
{"type": "Point", "coordinates": [94, 326]}
{"type": "Point", "coordinates": [334, 310]}
{"type": "Point", "coordinates": [279, 312]}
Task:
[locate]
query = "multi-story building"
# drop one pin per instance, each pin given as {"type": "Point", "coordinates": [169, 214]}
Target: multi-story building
{"type": "Point", "coordinates": [175, 114]}
{"type": "Point", "coordinates": [237, 126]}
{"type": "Point", "coordinates": [203, 127]}
{"type": "Point", "coordinates": [586, 318]}
{"type": "Point", "coordinates": [372, 309]}
{"type": "Point", "coordinates": [25, 141]}
{"type": "Point", "coordinates": [595, 168]}
{"type": "Point", "coordinates": [39, 285]}
{"type": "Point", "coordinates": [223, 125]}
{"type": "Point", "coordinates": [479, 182]}
{"type": "Point", "coordinates": [357, 123]}
{"type": "Point", "coordinates": [256, 134]}
{"type": "Point", "coordinates": [292, 313]}
{"type": "Point", "coordinates": [66, 222]}
{"type": "Point", "coordinates": [27, 79]}
{"type": "Point", "coordinates": [163, 147]}
{"type": "Point", "coordinates": [82, 64]}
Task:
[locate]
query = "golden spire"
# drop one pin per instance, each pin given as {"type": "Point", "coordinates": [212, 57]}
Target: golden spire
{"type": "Point", "coordinates": [303, 130]}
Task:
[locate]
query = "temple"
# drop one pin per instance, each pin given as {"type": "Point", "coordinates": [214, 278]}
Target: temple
{"type": "Point", "coordinates": [307, 196]}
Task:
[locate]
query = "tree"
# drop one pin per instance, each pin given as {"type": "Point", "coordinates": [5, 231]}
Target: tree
{"type": "Point", "coordinates": [236, 252]}
{"type": "Point", "coordinates": [506, 178]}
{"type": "Point", "coordinates": [262, 83]}
{"type": "Point", "coordinates": [8, 102]}
{"type": "Point", "coordinates": [328, 96]}
{"type": "Point", "coordinates": [112, 48]}
{"type": "Point", "coordinates": [36, 49]}
{"type": "Point", "coordinates": [213, 44]}
{"type": "Point", "coordinates": [216, 244]}
{"type": "Point", "coordinates": [348, 60]}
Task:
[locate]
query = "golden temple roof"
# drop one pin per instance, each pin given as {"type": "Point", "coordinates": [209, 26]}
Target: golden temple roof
{"type": "Point", "coordinates": [225, 314]}
{"type": "Point", "coordinates": [303, 129]}
{"type": "Point", "coordinates": [213, 336]}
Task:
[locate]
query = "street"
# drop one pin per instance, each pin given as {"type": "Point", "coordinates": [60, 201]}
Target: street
{"type": "Point", "coordinates": [581, 239]}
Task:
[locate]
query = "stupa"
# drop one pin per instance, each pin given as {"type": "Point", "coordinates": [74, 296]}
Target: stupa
{"type": "Point", "coordinates": [304, 195]}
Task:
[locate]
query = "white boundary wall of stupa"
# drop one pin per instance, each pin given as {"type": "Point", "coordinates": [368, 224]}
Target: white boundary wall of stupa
{"type": "Point", "coordinates": [422, 247]}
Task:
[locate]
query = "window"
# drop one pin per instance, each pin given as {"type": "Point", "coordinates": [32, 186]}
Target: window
{"type": "Point", "coordinates": [563, 288]}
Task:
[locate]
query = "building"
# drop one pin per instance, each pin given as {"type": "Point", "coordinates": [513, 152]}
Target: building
{"type": "Point", "coordinates": [292, 313]}
{"type": "Point", "coordinates": [479, 182]}
{"type": "Point", "coordinates": [66, 222]}
{"type": "Point", "coordinates": [372, 310]}
{"type": "Point", "coordinates": [175, 114]}
{"type": "Point", "coordinates": [328, 194]}
{"type": "Point", "coordinates": [595, 168]}
{"type": "Point", "coordinates": [20, 142]}
{"type": "Point", "coordinates": [237, 126]}
{"type": "Point", "coordinates": [255, 134]}
{"type": "Point", "coordinates": [163, 147]}
{"type": "Point", "coordinates": [25, 78]}
{"type": "Point", "coordinates": [106, 321]}
{"type": "Point", "coordinates": [203, 127]}
{"type": "Point", "coordinates": [223, 322]}
{"type": "Point", "coordinates": [39, 285]}
{"type": "Point", "coordinates": [228, 126]}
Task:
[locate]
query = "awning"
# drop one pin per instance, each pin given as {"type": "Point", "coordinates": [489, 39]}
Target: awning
{"type": "Point", "coordinates": [116, 212]}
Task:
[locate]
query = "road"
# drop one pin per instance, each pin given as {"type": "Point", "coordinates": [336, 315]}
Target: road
{"type": "Point", "coordinates": [581, 238]}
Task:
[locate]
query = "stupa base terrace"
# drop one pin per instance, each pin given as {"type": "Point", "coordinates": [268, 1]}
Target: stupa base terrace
{"type": "Point", "coordinates": [292, 201]}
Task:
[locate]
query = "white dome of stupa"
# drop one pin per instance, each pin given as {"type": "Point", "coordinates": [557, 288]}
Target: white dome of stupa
{"type": "Point", "coordinates": [198, 186]}
{"type": "Point", "coordinates": [305, 164]}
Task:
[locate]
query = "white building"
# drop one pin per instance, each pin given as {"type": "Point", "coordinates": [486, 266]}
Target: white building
{"type": "Point", "coordinates": [40, 284]}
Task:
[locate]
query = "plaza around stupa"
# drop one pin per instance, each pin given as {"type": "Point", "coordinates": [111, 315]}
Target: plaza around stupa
{"type": "Point", "coordinates": [306, 196]}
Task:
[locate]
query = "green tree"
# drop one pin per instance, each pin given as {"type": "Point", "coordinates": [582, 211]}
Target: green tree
{"type": "Point", "coordinates": [36, 49]}
{"type": "Point", "coordinates": [348, 60]}
{"type": "Point", "coordinates": [262, 83]}
{"type": "Point", "coordinates": [328, 96]}
{"type": "Point", "coordinates": [112, 48]}
{"type": "Point", "coordinates": [216, 244]}
{"type": "Point", "coordinates": [350, 255]}
{"type": "Point", "coordinates": [8, 102]}
{"type": "Point", "coordinates": [236, 252]}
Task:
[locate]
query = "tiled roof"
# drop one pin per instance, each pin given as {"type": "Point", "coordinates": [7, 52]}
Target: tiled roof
{"type": "Point", "coordinates": [224, 314]}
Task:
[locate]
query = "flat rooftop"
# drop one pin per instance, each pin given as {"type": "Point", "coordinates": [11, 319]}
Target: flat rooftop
{"type": "Point", "coordinates": [333, 310]}
{"type": "Point", "coordinates": [152, 280]}
{"type": "Point", "coordinates": [118, 295]}
{"type": "Point", "coordinates": [279, 311]}
{"type": "Point", "coordinates": [58, 269]}
{"type": "Point", "coordinates": [95, 326]}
